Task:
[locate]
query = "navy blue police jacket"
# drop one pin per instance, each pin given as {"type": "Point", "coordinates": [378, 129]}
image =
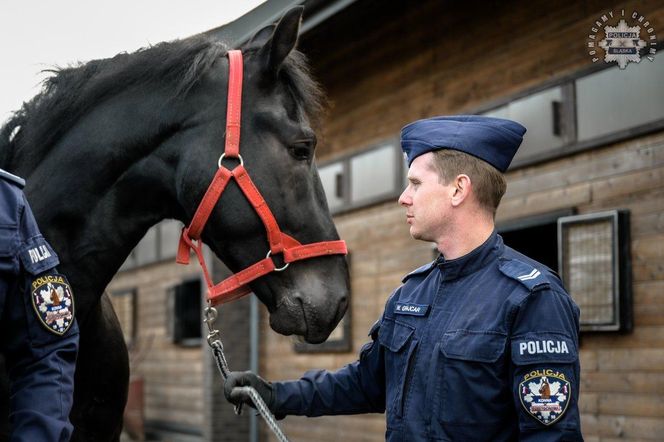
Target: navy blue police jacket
{"type": "Point", "coordinates": [38, 332]}
{"type": "Point", "coordinates": [479, 348]}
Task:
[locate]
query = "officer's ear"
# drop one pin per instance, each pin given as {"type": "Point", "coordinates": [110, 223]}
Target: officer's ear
{"type": "Point", "coordinates": [461, 189]}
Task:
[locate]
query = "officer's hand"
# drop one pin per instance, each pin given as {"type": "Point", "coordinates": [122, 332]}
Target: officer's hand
{"type": "Point", "coordinates": [247, 379]}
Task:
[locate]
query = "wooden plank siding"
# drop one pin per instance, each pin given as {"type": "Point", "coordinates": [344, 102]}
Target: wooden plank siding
{"type": "Point", "coordinates": [395, 63]}
{"type": "Point", "coordinates": [173, 375]}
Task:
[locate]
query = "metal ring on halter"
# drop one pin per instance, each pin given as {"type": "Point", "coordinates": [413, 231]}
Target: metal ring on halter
{"type": "Point", "coordinates": [221, 158]}
{"type": "Point", "coordinates": [280, 269]}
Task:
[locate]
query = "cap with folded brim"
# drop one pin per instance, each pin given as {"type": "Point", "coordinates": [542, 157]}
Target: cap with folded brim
{"type": "Point", "coordinates": [494, 140]}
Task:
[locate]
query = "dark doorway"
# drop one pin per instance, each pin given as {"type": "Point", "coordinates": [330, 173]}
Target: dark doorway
{"type": "Point", "coordinates": [535, 237]}
{"type": "Point", "coordinates": [537, 242]}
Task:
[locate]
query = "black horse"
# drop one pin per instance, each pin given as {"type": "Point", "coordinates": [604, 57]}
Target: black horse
{"type": "Point", "coordinates": [114, 146]}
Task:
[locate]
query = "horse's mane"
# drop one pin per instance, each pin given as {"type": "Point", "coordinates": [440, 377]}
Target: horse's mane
{"type": "Point", "coordinates": [71, 91]}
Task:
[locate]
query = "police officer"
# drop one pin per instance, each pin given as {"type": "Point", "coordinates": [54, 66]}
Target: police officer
{"type": "Point", "coordinates": [480, 344]}
{"type": "Point", "coordinates": [38, 332]}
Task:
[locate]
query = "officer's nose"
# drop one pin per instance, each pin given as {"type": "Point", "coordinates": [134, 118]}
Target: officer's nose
{"type": "Point", "coordinates": [404, 198]}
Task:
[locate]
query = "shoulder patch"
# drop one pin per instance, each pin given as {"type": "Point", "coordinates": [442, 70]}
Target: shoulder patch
{"type": "Point", "coordinates": [526, 274]}
{"type": "Point", "coordinates": [426, 268]}
{"type": "Point", "coordinates": [545, 394]}
{"type": "Point", "coordinates": [53, 302]}
{"type": "Point", "coordinates": [13, 178]}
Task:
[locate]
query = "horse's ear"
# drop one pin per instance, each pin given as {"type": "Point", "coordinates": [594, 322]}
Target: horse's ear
{"type": "Point", "coordinates": [261, 37]}
{"type": "Point", "coordinates": [283, 40]}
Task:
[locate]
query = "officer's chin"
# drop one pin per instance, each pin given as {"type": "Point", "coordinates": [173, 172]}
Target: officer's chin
{"type": "Point", "coordinates": [416, 235]}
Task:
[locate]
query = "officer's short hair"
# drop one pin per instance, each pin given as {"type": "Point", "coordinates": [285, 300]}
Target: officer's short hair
{"type": "Point", "coordinates": [489, 184]}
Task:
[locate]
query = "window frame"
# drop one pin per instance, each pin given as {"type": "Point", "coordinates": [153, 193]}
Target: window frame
{"type": "Point", "coordinates": [569, 119]}
{"type": "Point", "coordinates": [620, 262]}
{"type": "Point", "coordinates": [132, 292]}
{"type": "Point", "coordinates": [345, 160]}
{"type": "Point", "coordinates": [172, 318]}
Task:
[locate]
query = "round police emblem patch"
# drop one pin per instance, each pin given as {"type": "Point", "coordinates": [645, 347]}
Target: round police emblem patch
{"type": "Point", "coordinates": [53, 302]}
{"type": "Point", "coordinates": [545, 395]}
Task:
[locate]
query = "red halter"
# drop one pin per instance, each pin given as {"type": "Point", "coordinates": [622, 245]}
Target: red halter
{"type": "Point", "coordinates": [235, 286]}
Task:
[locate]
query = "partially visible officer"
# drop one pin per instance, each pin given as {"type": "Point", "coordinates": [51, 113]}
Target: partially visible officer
{"type": "Point", "coordinates": [38, 332]}
{"type": "Point", "coordinates": [480, 344]}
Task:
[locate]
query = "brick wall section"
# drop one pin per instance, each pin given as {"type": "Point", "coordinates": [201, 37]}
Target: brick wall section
{"type": "Point", "coordinates": [391, 63]}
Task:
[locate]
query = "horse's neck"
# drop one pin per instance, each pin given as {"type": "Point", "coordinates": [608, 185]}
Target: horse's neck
{"type": "Point", "coordinates": [100, 188]}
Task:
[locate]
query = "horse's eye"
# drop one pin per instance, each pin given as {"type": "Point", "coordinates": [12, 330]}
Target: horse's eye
{"type": "Point", "coordinates": [302, 150]}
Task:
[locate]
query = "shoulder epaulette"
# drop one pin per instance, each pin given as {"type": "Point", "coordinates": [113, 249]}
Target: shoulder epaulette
{"type": "Point", "coordinates": [13, 178]}
{"type": "Point", "coordinates": [526, 274]}
{"type": "Point", "coordinates": [420, 270]}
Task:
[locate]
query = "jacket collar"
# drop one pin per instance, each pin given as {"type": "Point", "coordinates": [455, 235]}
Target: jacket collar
{"type": "Point", "coordinates": [488, 252]}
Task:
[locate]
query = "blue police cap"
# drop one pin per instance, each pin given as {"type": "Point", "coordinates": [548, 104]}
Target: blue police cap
{"type": "Point", "coordinates": [494, 140]}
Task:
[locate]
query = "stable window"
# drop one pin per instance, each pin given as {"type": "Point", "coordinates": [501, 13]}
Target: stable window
{"type": "Point", "coordinates": [594, 262]}
{"type": "Point", "coordinates": [185, 307]}
{"type": "Point", "coordinates": [373, 174]}
{"type": "Point", "coordinates": [615, 100]}
{"type": "Point", "coordinates": [332, 176]}
{"type": "Point", "coordinates": [596, 106]}
{"type": "Point", "coordinates": [544, 115]}
{"type": "Point", "coordinates": [361, 179]}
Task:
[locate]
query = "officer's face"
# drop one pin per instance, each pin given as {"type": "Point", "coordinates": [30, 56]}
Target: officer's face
{"type": "Point", "coordinates": [426, 200]}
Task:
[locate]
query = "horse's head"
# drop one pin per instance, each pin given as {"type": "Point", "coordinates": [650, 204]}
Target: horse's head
{"type": "Point", "coordinates": [277, 143]}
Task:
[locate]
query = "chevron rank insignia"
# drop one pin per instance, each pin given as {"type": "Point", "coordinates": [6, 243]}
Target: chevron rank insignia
{"type": "Point", "coordinates": [532, 275]}
{"type": "Point", "coordinates": [526, 274]}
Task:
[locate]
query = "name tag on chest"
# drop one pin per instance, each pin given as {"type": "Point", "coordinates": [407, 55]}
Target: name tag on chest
{"type": "Point", "coordinates": [403, 308]}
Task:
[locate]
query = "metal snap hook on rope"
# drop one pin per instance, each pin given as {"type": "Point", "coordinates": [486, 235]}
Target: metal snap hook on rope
{"type": "Point", "coordinates": [210, 316]}
{"type": "Point", "coordinates": [280, 269]}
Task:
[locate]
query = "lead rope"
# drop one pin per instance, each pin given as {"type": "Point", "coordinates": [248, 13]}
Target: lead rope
{"type": "Point", "coordinates": [214, 341]}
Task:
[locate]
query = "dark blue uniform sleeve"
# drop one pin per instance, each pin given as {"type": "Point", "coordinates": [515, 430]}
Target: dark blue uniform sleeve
{"type": "Point", "coordinates": [545, 367]}
{"type": "Point", "coordinates": [40, 336]}
{"type": "Point", "coordinates": [358, 387]}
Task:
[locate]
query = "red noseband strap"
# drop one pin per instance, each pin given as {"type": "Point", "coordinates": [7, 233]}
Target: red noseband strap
{"type": "Point", "coordinates": [235, 286]}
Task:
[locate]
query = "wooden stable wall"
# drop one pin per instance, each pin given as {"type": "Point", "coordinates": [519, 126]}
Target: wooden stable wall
{"type": "Point", "coordinates": [385, 64]}
{"type": "Point", "coordinates": [184, 398]}
{"type": "Point", "coordinates": [622, 395]}
{"type": "Point", "coordinates": [173, 375]}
